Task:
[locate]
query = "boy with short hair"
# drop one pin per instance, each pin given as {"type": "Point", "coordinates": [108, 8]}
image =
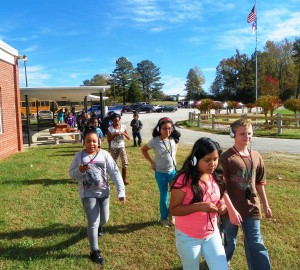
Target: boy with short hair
{"type": "Point", "coordinates": [245, 177]}
{"type": "Point", "coordinates": [136, 125]}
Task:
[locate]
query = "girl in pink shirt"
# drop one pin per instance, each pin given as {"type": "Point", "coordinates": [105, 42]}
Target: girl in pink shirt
{"type": "Point", "coordinates": [196, 201]}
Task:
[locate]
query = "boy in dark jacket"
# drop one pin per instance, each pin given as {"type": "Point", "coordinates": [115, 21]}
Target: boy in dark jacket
{"type": "Point", "coordinates": [136, 125]}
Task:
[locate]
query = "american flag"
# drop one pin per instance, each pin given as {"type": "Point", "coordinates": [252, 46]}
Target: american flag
{"type": "Point", "coordinates": [254, 27]}
{"type": "Point", "coordinates": [251, 17]}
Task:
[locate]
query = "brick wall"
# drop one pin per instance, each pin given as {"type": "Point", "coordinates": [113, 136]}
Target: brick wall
{"type": "Point", "coordinates": [11, 137]}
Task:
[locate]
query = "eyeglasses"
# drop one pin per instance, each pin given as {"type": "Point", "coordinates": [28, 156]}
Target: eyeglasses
{"type": "Point", "coordinates": [166, 129]}
{"type": "Point", "coordinates": [209, 225]}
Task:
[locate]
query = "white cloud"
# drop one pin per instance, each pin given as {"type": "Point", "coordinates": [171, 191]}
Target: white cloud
{"type": "Point", "coordinates": [289, 28]}
{"type": "Point", "coordinates": [173, 85]}
{"type": "Point", "coordinates": [36, 76]}
{"type": "Point", "coordinates": [31, 49]}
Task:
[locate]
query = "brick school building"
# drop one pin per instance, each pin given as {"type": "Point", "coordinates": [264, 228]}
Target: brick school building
{"type": "Point", "coordinates": [11, 140]}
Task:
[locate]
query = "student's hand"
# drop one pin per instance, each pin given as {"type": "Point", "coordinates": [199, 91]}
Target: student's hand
{"type": "Point", "coordinates": [268, 211]}
{"type": "Point", "coordinates": [153, 165]}
{"type": "Point", "coordinates": [222, 209]}
{"type": "Point", "coordinates": [208, 207]}
{"type": "Point", "coordinates": [122, 200]}
{"type": "Point", "coordinates": [83, 168]}
{"type": "Point", "coordinates": [235, 218]}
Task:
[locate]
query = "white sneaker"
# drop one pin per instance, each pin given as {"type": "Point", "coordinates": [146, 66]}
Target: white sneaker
{"type": "Point", "coordinates": [171, 220]}
{"type": "Point", "coordinates": [165, 223]}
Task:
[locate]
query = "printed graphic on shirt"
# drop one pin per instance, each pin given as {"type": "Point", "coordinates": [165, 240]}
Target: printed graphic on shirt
{"type": "Point", "coordinates": [95, 177]}
{"type": "Point", "coordinates": [243, 178]}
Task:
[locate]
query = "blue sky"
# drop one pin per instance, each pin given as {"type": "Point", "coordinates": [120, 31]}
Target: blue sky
{"type": "Point", "coordinates": [69, 41]}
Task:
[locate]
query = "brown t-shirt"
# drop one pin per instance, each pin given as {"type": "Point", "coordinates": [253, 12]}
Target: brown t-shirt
{"type": "Point", "coordinates": [239, 176]}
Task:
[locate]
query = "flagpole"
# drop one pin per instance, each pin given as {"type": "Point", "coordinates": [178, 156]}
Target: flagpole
{"type": "Point", "coordinates": [256, 81]}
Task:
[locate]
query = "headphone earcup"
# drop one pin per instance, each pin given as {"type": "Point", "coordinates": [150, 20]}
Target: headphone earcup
{"type": "Point", "coordinates": [194, 161]}
{"type": "Point", "coordinates": [231, 132]}
{"type": "Point", "coordinates": [157, 128]}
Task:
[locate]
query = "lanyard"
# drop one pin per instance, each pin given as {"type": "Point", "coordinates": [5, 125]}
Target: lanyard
{"type": "Point", "coordinates": [91, 159]}
{"type": "Point", "coordinates": [169, 150]}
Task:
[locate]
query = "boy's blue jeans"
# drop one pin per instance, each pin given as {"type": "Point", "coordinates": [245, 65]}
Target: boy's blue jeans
{"type": "Point", "coordinates": [256, 253]}
{"type": "Point", "coordinates": [163, 180]}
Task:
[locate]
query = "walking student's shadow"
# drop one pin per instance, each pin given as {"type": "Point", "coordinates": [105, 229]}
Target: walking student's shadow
{"type": "Point", "coordinates": [19, 243]}
{"type": "Point", "coordinates": [23, 249]}
{"type": "Point", "coordinates": [48, 182]}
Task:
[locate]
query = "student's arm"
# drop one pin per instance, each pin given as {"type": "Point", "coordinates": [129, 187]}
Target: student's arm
{"type": "Point", "coordinates": [77, 170]}
{"type": "Point", "coordinates": [178, 209]}
{"type": "Point", "coordinates": [109, 136]}
{"type": "Point", "coordinates": [115, 175]}
{"type": "Point", "coordinates": [145, 153]}
{"type": "Point", "coordinates": [234, 216]}
{"type": "Point", "coordinates": [125, 134]}
{"type": "Point", "coordinates": [262, 194]}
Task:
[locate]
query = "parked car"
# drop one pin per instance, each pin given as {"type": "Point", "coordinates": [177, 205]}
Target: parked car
{"type": "Point", "coordinates": [95, 108]}
{"type": "Point", "coordinates": [45, 114]}
{"type": "Point", "coordinates": [144, 108]}
{"type": "Point", "coordinates": [188, 104]}
{"type": "Point", "coordinates": [196, 103]}
{"type": "Point", "coordinates": [180, 104]}
{"type": "Point", "coordinates": [134, 107]}
{"type": "Point", "coordinates": [117, 109]}
{"type": "Point", "coordinates": [126, 108]}
{"type": "Point", "coordinates": [155, 107]}
{"type": "Point", "coordinates": [166, 109]}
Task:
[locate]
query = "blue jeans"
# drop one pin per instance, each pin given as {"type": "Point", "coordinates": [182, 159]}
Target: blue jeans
{"type": "Point", "coordinates": [190, 250]}
{"type": "Point", "coordinates": [138, 136]}
{"type": "Point", "coordinates": [163, 180]}
{"type": "Point", "coordinates": [256, 253]}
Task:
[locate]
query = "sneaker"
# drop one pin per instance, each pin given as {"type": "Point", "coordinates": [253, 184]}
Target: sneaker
{"type": "Point", "coordinates": [100, 231]}
{"type": "Point", "coordinates": [165, 223]}
{"type": "Point", "coordinates": [96, 257]}
{"type": "Point", "coordinates": [171, 220]}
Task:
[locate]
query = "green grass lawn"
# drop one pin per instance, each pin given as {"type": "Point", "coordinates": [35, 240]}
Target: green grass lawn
{"type": "Point", "coordinates": [42, 223]}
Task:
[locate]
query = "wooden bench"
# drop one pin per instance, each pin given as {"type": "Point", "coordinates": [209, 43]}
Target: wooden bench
{"type": "Point", "coordinates": [74, 135]}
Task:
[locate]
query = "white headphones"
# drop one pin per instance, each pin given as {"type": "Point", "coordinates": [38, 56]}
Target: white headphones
{"type": "Point", "coordinates": [194, 161]}
{"type": "Point", "coordinates": [231, 132]}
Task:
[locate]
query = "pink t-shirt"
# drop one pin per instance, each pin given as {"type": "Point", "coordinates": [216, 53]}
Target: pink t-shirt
{"type": "Point", "coordinates": [197, 224]}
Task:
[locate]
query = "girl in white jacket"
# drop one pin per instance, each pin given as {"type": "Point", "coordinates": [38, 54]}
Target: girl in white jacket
{"type": "Point", "coordinates": [91, 168]}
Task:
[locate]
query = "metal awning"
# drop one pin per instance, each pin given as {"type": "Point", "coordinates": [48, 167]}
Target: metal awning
{"type": "Point", "coordinates": [64, 93]}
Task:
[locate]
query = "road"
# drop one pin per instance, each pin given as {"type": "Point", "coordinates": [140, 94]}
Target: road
{"type": "Point", "coordinates": [262, 145]}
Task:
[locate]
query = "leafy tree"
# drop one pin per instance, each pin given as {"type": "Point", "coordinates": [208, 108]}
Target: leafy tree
{"type": "Point", "coordinates": [296, 58]}
{"type": "Point", "coordinates": [205, 105]}
{"type": "Point", "coordinates": [149, 77]}
{"type": "Point", "coordinates": [217, 106]}
{"type": "Point", "coordinates": [268, 104]}
{"type": "Point", "coordinates": [276, 62]}
{"type": "Point", "coordinates": [269, 86]}
{"type": "Point", "coordinates": [135, 93]}
{"type": "Point", "coordinates": [235, 78]}
{"type": "Point", "coordinates": [194, 81]}
{"type": "Point", "coordinates": [121, 77]}
{"type": "Point", "coordinates": [250, 106]}
{"type": "Point", "coordinates": [293, 105]}
{"type": "Point", "coordinates": [217, 87]}
{"type": "Point", "coordinates": [99, 79]}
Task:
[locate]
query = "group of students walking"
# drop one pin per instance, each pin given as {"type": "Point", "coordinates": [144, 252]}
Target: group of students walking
{"type": "Point", "coordinates": [213, 193]}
